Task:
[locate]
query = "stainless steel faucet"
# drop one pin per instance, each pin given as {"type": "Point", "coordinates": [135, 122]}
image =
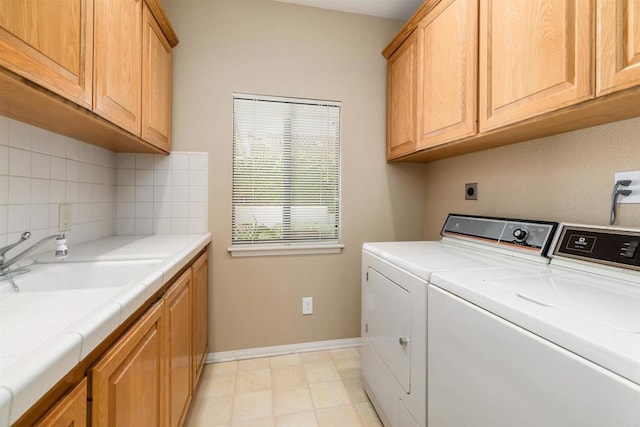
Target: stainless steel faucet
{"type": "Point", "coordinates": [61, 250]}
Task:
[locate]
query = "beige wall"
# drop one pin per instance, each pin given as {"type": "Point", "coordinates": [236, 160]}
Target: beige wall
{"type": "Point", "coordinates": [271, 48]}
{"type": "Point", "coordinates": [567, 177]}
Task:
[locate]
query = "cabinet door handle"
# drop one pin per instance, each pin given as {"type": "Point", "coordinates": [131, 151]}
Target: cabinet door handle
{"type": "Point", "coordinates": [403, 341]}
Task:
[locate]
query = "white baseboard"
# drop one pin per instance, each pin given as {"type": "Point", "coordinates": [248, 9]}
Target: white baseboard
{"type": "Point", "coordinates": [278, 350]}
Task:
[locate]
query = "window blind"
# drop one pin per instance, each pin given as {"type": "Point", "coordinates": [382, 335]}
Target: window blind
{"type": "Point", "coordinates": [286, 171]}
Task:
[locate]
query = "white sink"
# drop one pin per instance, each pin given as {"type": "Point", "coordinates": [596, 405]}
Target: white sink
{"type": "Point", "coordinates": [80, 275]}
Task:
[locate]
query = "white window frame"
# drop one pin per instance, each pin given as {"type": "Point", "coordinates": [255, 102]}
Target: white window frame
{"type": "Point", "coordinates": [295, 248]}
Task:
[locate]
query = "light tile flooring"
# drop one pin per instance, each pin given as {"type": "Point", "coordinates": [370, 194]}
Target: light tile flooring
{"type": "Point", "coordinates": [314, 389]}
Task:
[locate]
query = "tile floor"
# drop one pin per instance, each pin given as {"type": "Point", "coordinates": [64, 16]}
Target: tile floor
{"type": "Point", "coordinates": [315, 389]}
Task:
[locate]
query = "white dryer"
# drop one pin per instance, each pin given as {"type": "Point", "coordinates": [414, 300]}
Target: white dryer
{"type": "Point", "coordinates": [556, 347]}
{"type": "Point", "coordinates": [394, 301]}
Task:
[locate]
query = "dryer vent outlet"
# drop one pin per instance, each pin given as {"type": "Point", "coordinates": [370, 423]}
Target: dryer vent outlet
{"type": "Point", "coordinates": [471, 191]}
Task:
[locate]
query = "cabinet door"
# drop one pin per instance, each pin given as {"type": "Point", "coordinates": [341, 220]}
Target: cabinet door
{"type": "Point", "coordinates": [118, 62]}
{"type": "Point", "coordinates": [200, 314]}
{"type": "Point", "coordinates": [447, 85]}
{"type": "Point", "coordinates": [535, 57]}
{"type": "Point", "coordinates": [618, 55]}
{"type": "Point", "coordinates": [156, 83]}
{"type": "Point", "coordinates": [50, 43]}
{"type": "Point", "coordinates": [71, 410]}
{"type": "Point", "coordinates": [178, 344]}
{"type": "Point", "coordinates": [128, 381]}
{"type": "Point", "coordinates": [401, 99]}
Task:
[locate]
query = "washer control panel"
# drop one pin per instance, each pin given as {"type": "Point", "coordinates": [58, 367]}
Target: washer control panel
{"type": "Point", "coordinates": [516, 234]}
{"type": "Point", "coordinates": [617, 247]}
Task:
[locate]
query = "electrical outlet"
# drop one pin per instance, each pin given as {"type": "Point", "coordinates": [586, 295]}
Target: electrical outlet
{"type": "Point", "coordinates": [307, 305]}
{"type": "Point", "coordinates": [471, 191]}
{"type": "Point", "coordinates": [64, 217]}
{"type": "Point", "coordinates": [634, 176]}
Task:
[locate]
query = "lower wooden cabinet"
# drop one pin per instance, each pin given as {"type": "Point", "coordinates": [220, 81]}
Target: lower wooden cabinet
{"type": "Point", "coordinates": [147, 375]}
{"type": "Point", "coordinates": [200, 314]}
{"type": "Point", "coordinates": [128, 383]}
{"type": "Point", "coordinates": [179, 320]}
{"type": "Point", "coordinates": [147, 378]}
{"type": "Point", "coordinates": [70, 411]}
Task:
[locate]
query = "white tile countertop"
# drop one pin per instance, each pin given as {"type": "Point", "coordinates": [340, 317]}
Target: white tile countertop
{"type": "Point", "coordinates": [45, 334]}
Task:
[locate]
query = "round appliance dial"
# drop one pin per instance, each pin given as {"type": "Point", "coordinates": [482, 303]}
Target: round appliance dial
{"type": "Point", "coordinates": [520, 234]}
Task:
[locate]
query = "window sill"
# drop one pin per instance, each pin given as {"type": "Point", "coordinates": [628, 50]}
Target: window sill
{"type": "Point", "coordinates": [285, 249]}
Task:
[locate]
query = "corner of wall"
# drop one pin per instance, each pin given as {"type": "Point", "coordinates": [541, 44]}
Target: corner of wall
{"type": "Point", "coordinates": [158, 194]}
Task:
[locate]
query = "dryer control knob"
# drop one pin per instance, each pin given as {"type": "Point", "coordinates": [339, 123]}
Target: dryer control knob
{"type": "Point", "coordinates": [520, 234]}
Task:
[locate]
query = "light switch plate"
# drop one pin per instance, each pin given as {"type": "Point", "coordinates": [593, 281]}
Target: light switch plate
{"type": "Point", "coordinates": [634, 176]}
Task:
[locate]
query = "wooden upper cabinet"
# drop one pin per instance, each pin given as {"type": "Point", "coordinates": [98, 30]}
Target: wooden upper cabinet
{"type": "Point", "coordinates": [535, 57]}
{"type": "Point", "coordinates": [118, 62]}
{"type": "Point", "coordinates": [178, 321]}
{"type": "Point", "coordinates": [50, 43]}
{"type": "Point", "coordinates": [200, 314]}
{"type": "Point", "coordinates": [111, 57]}
{"type": "Point", "coordinates": [618, 45]}
{"type": "Point", "coordinates": [402, 99]}
{"type": "Point", "coordinates": [447, 73]}
{"type": "Point", "coordinates": [156, 83]}
{"type": "Point", "coordinates": [128, 382]}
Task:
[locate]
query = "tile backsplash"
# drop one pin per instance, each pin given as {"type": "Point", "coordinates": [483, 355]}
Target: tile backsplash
{"type": "Point", "coordinates": [39, 170]}
{"type": "Point", "coordinates": [109, 193]}
{"type": "Point", "coordinates": [159, 194]}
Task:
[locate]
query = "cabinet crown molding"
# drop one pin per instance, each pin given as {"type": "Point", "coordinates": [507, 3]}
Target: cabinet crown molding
{"type": "Point", "coordinates": [408, 28]}
{"type": "Point", "coordinates": [163, 21]}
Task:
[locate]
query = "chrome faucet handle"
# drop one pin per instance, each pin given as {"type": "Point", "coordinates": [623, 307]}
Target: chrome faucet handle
{"type": "Point", "coordinates": [24, 236]}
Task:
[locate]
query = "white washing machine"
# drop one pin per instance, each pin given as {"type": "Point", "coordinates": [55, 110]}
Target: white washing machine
{"type": "Point", "coordinates": [558, 347]}
{"type": "Point", "coordinates": [394, 301]}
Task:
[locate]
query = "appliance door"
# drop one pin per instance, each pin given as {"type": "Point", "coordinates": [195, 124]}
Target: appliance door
{"type": "Point", "coordinates": [484, 371]}
{"type": "Point", "coordinates": [388, 318]}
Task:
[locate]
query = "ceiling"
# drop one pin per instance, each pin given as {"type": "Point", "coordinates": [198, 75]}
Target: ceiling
{"type": "Point", "coordinates": [396, 9]}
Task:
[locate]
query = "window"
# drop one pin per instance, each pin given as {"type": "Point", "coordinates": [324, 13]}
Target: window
{"type": "Point", "coordinates": [286, 175]}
